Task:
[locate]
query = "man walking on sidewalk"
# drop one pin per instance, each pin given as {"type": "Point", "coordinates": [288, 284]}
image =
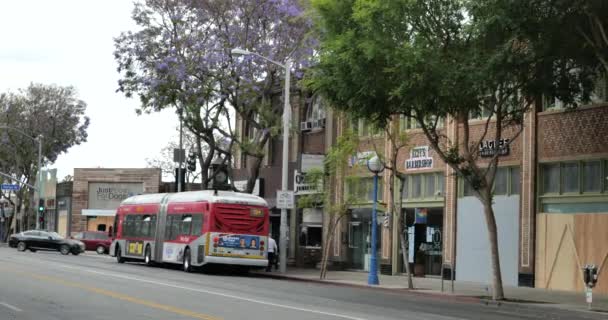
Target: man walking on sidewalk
{"type": "Point", "coordinates": [272, 251]}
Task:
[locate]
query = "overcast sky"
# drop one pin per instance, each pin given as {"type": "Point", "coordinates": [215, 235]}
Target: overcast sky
{"type": "Point", "coordinates": [70, 42]}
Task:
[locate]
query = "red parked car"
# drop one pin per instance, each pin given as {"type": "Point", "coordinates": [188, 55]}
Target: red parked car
{"type": "Point", "coordinates": [95, 240]}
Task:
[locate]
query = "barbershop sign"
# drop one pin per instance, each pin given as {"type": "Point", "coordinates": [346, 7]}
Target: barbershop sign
{"type": "Point", "coordinates": [419, 159]}
{"type": "Point", "coordinates": [489, 148]}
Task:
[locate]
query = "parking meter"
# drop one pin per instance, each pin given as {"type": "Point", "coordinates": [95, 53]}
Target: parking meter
{"type": "Point", "coordinates": [590, 275]}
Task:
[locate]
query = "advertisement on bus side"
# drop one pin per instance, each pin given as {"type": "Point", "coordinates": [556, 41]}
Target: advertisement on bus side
{"type": "Point", "coordinates": [135, 248]}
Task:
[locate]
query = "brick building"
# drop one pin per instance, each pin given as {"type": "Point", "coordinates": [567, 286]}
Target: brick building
{"type": "Point", "coordinates": [312, 125]}
{"type": "Point", "coordinates": [550, 202]}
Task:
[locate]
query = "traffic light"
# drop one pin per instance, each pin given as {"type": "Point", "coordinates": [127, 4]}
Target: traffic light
{"type": "Point", "coordinates": [219, 172]}
{"type": "Point", "coordinates": [191, 162]}
{"type": "Point", "coordinates": [40, 205]}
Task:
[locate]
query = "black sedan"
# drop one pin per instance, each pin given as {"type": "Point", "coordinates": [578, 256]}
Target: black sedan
{"type": "Point", "coordinates": [44, 240]}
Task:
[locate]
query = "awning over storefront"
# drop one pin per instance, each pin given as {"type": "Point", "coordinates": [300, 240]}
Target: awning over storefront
{"type": "Point", "coordinates": [98, 212]}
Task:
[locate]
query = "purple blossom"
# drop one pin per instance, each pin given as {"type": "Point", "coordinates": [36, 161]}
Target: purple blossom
{"type": "Point", "coordinates": [162, 66]}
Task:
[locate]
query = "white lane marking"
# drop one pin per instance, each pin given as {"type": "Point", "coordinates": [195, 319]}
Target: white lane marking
{"type": "Point", "coordinates": [278, 305]}
{"type": "Point", "coordinates": [10, 306]}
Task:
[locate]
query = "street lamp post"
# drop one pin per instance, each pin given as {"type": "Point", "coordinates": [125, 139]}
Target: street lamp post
{"type": "Point", "coordinates": [179, 171]}
{"type": "Point", "coordinates": [284, 177]}
{"type": "Point", "coordinates": [39, 182]}
{"type": "Point", "coordinates": [375, 166]}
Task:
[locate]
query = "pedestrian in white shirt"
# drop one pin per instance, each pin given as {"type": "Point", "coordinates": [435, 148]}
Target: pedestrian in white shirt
{"type": "Point", "coordinates": [272, 254]}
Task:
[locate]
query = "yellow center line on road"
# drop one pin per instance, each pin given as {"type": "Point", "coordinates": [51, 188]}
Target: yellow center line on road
{"type": "Point", "coordinates": [115, 295]}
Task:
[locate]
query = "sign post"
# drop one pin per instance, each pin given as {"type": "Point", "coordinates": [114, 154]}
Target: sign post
{"type": "Point", "coordinates": [285, 199]}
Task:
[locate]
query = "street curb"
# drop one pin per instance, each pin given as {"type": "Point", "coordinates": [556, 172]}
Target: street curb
{"type": "Point", "coordinates": [434, 295]}
{"type": "Point", "coordinates": [418, 292]}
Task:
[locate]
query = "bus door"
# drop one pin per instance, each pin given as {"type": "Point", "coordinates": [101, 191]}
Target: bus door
{"type": "Point", "coordinates": [161, 224]}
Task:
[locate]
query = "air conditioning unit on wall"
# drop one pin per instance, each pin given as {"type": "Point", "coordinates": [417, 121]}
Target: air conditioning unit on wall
{"type": "Point", "coordinates": [305, 125]}
{"type": "Point", "coordinates": [320, 123]}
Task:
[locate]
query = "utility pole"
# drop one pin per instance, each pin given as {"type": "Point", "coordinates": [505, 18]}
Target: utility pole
{"type": "Point", "coordinates": [39, 180]}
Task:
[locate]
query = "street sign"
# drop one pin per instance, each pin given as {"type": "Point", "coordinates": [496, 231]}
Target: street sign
{"type": "Point", "coordinates": [13, 187]}
{"type": "Point", "coordinates": [285, 199]}
{"type": "Point", "coordinates": [179, 155]}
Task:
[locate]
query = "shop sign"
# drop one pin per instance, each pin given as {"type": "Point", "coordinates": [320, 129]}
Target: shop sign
{"type": "Point", "coordinates": [301, 187]}
{"type": "Point", "coordinates": [419, 159]}
{"type": "Point", "coordinates": [361, 158]}
{"type": "Point", "coordinates": [109, 195]}
{"type": "Point", "coordinates": [489, 148]}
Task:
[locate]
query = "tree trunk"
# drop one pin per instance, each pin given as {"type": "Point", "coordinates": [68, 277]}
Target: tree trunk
{"type": "Point", "coordinates": [330, 236]}
{"type": "Point", "coordinates": [405, 250]}
{"type": "Point", "coordinates": [497, 289]}
{"type": "Point", "coordinates": [325, 256]}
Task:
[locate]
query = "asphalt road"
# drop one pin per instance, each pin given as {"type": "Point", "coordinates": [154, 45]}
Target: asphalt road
{"type": "Point", "coordinates": [49, 286]}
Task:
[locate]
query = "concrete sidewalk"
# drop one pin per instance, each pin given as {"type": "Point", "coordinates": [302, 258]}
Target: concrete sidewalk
{"type": "Point", "coordinates": [559, 299]}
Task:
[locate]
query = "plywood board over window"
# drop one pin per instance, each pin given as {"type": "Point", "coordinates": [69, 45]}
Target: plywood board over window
{"type": "Point", "coordinates": [565, 243]}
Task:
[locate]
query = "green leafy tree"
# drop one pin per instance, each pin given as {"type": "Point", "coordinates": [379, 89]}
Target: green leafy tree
{"type": "Point", "coordinates": [445, 59]}
{"type": "Point", "coordinates": [567, 26]}
{"type": "Point", "coordinates": [53, 112]}
{"type": "Point", "coordinates": [398, 140]}
{"type": "Point", "coordinates": [336, 167]}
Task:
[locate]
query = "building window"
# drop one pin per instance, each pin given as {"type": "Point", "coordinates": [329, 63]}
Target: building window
{"type": "Point", "coordinates": [424, 186]}
{"type": "Point", "coordinates": [598, 95]}
{"type": "Point", "coordinates": [429, 181]}
{"type": "Point", "coordinates": [515, 180]}
{"type": "Point", "coordinates": [416, 186]}
{"type": "Point", "coordinates": [362, 188]}
{"type": "Point", "coordinates": [364, 128]}
{"type": "Point", "coordinates": [604, 176]}
{"type": "Point", "coordinates": [592, 176]}
{"type": "Point", "coordinates": [408, 123]}
{"type": "Point", "coordinates": [570, 177]}
{"type": "Point", "coordinates": [481, 113]}
{"type": "Point", "coordinates": [506, 183]}
{"type": "Point", "coordinates": [311, 236]}
{"type": "Point", "coordinates": [574, 177]}
{"type": "Point", "coordinates": [316, 111]}
{"type": "Point", "coordinates": [550, 175]}
{"type": "Point", "coordinates": [440, 183]}
{"type": "Point", "coordinates": [501, 181]}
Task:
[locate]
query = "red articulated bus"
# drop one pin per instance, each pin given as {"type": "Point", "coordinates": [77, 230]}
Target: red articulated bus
{"type": "Point", "coordinates": [192, 229]}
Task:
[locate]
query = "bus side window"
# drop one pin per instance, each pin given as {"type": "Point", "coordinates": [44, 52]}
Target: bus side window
{"type": "Point", "coordinates": [138, 226]}
{"type": "Point", "coordinates": [186, 224]}
{"type": "Point", "coordinates": [173, 226]}
{"type": "Point", "coordinates": [146, 226]}
{"type": "Point", "coordinates": [127, 226]}
{"type": "Point", "coordinates": [197, 224]}
{"type": "Point", "coordinates": [153, 227]}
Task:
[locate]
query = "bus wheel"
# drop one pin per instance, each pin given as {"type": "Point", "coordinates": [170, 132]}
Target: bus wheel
{"type": "Point", "coordinates": [187, 265]}
{"type": "Point", "coordinates": [119, 257]}
{"type": "Point", "coordinates": [148, 256]}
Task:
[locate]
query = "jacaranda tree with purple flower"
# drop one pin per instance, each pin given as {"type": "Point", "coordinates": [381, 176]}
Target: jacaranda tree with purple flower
{"type": "Point", "coordinates": [180, 57]}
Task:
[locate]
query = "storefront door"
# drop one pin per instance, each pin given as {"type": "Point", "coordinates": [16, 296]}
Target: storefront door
{"type": "Point", "coordinates": [356, 244]}
{"type": "Point", "coordinates": [359, 239]}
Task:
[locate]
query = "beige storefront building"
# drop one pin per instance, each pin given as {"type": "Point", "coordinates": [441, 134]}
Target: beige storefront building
{"type": "Point", "coordinates": [98, 192]}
